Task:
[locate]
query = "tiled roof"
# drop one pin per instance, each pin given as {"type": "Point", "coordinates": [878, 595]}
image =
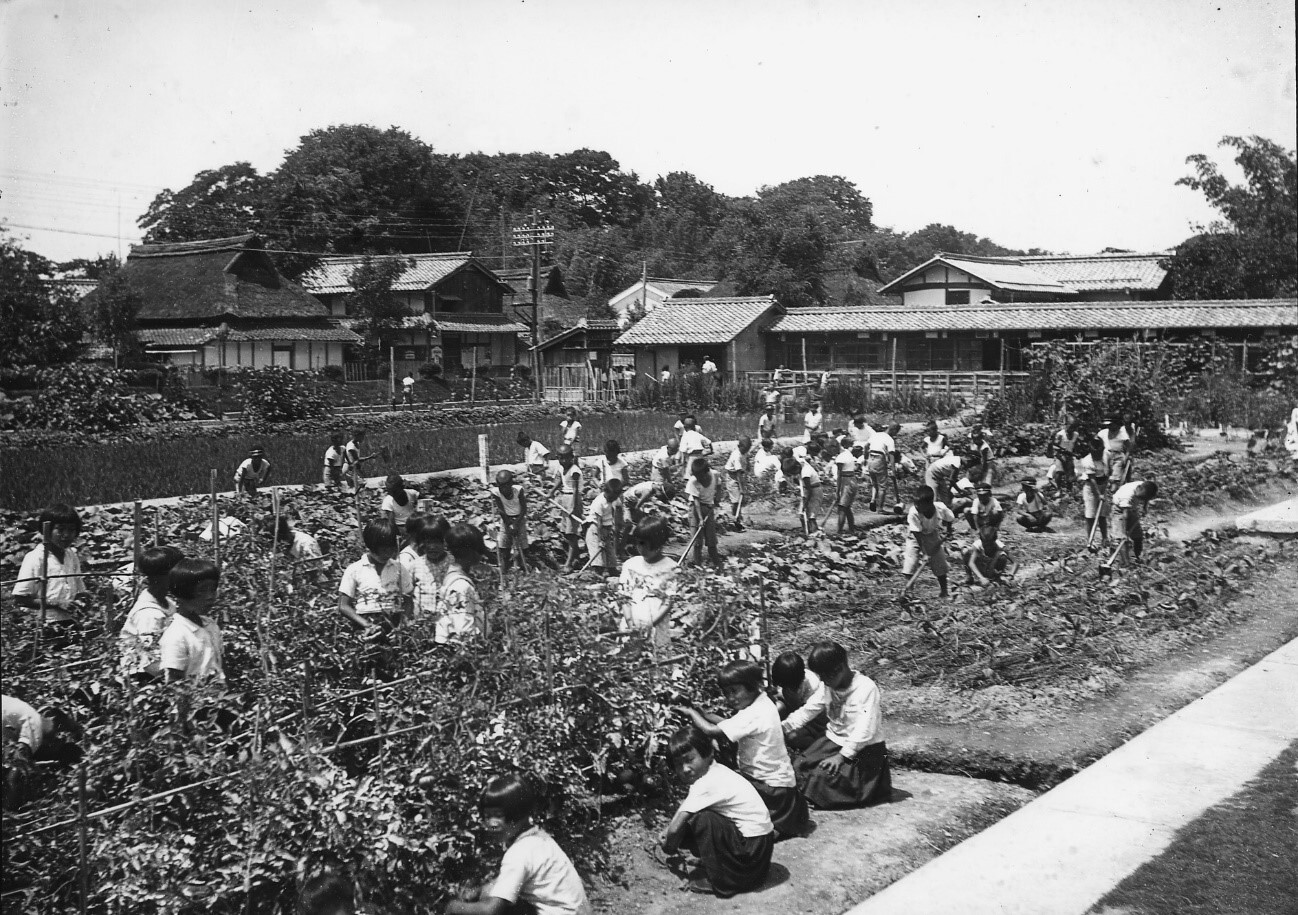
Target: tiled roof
{"type": "Point", "coordinates": [198, 336]}
{"type": "Point", "coordinates": [697, 321]}
{"type": "Point", "coordinates": [1000, 273]}
{"type": "Point", "coordinates": [477, 324]}
{"type": "Point", "coordinates": [175, 336]}
{"type": "Point", "coordinates": [664, 286]}
{"type": "Point", "coordinates": [599, 325]}
{"type": "Point", "coordinates": [1059, 316]}
{"type": "Point", "coordinates": [1100, 271]}
{"type": "Point", "coordinates": [333, 274]}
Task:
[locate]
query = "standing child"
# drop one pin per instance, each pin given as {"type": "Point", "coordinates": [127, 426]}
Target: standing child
{"type": "Point", "coordinates": [425, 561]}
{"type": "Point", "coordinates": [333, 461]}
{"type": "Point", "coordinates": [941, 474]}
{"type": "Point", "coordinates": [1032, 511]}
{"type": "Point", "coordinates": [662, 465]}
{"type": "Point", "coordinates": [535, 456]}
{"type": "Point", "coordinates": [535, 874]}
{"type": "Point", "coordinates": [739, 467]}
{"type": "Point", "coordinates": [701, 490]}
{"type": "Point", "coordinates": [881, 455]}
{"type": "Point", "coordinates": [767, 425]}
{"type": "Point", "coordinates": [981, 446]}
{"type": "Point", "coordinates": [809, 487]}
{"type": "Point", "coordinates": [723, 820]}
{"type": "Point", "coordinates": [1063, 450]}
{"type": "Point", "coordinates": [376, 591]}
{"type": "Point", "coordinates": [353, 461]}
{"type": "Point", "coordinates": [1117, 448]}
{"type": "Point", "coordinates": [399, 503]}
{"type": "Point", "coordinates": [796, 685]}
{"type": "Point", "coordinates": [846, 470]}
{"type": "Point", "coordinates": [1093, 472]}
{"type": "Point", "coordinates": [812, 422]}
{"type": "Point", "coordinates": [601, 526]}
{"type": "Point", "coordinates": [927, 522]}
{"type": "Point", "coordinates": [511, 503]}
{"type": "Point", "coordinates": [568, 490]}
{"type": "Point", "coordinates": [693, 444]}
{"type": "Point", "coordinates": [935, 444]}
{"type": "Point", "coordinates": [571, 428]}
{"type": "Point", "coordinates": [848, 767]}
{"type": "Point", "coordinates": [647, 584]}
{"type": "Point", "coordinates": [611, 464]}
{"type": "Point", "coordinates": [763, 758]}
{"type": "Point", "coordinates": [252, 473]}
{"type": "Point", "coordinates": [985, 511]}
{"type": "Point", "coordinates": [62, 568]}
{"type": "Point", "coordinates": [986, 561]}
{"type": "Point", "coordinates": [1132, 501]}
{"type": "Point", "coordinates": [859, 430]}
{"type": "Point", "coordinates": [149, 616]}
{"type": "Point", "coordinates": [190, 647]}
{"type": "Point", "coordinates": [462, 613]}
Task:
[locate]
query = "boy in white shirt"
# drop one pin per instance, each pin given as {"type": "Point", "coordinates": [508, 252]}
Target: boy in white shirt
{"type": "Point", "coordinates": [1132, 500]}
{"type": "Point", "coordinates": [693, 444]}
{"type": "Point", "coordinates": [767, 424]}
{"type": "Point", "coordinates": [859, 430]}
{"type": "Point", "coordinates": [845, 470]}
{"type": "Point", "coordinates": [535, 873]}
{"type": "Point", "coordinates": [333, 461]}
{"type": "Point", "coordinates": [880, 455]}
{"type": "Point", "coordinates": [805, 477]}
{"type": "Point", "coordinates": [701, 490]}
{"type": "Point", "coordinates": [571, 428]}
{"type": "Point", "coordinates": [1117, 448]}
{"type": "Point", "coordinates": [1063, 450]}
{"type": "Point", "coordinates": [1033, 514]}
{"type": "Point", "coordinates": [1093, 474]}
{"type": "Point", "coordinates": [986, 510]}
{"type": "Point", "coordinates": [986, 561]}
{"type": "Point", "coordinates": [612, 465]}
{"type": "Point", "coordinates": [848, 767]}
{"type": "Point", "coordinates": [927, 522]}
{"type": "Point", "coordinates": [812, 422]}
{"type": "Point", "coordinates": [376, 591]}
{"type": "Point", "coordinates": [62, 569]}
{"type": "Point", "coordinates": [647, 584]}
{"type": "Point", "coordinates": [766, 463]}
{"type": "Point", "coordinates": [739, 466]}
{"type": "Point", "coordinates": [567, 489]}
{"type": "Point", "coordinates": [722, 820]}
{"type": "Point", "coordinates": [601, 529]}
{"type": "Point", "coordinates": [635, 498]}
{"type": "Point", "coordinates": [662, 464]}
{"type": "Point", "coordinates": [535, 456]}
{"type": "Point", "coordinates": [191, 647]}
{"type": "Point", "coordinates": [511, 503]}
{"type": "Point", "coordinates": [149, 616]}
{"type": "Point", "coordinates": [941, 474]}
{"type": "Point", "coordinates": [252, 473]}
{"type": "Point", "coordinates": [763, 758]}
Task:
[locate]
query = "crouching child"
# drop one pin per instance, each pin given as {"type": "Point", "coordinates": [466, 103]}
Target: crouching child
{"type": "Point", "coordinates": [986, 561]}
{"type": "Point", "coordinates": [536, 875]}
{"type": "Point", "coordinates": [722, 820]}
{"type": "Point", "coordinates": [763, 758]}
{"type": "Point", "coordinates": [795, 685]}
{"type": "Point", "coordinates": [848, 767]}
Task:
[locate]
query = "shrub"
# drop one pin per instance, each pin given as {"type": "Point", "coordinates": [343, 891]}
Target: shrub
{"type": "Point", "coordinates": [430, 370]}
{"type": "Point", "coordinates": [277, 394]}
{"type": "Point", "coordinates": [333, 373]}
{"type": "Point", "coordinates": [91, 399]}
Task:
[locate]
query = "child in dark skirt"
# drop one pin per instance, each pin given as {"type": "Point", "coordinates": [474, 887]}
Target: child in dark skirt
{"type": "Point", "coordinates": [796, 685]}
{"type": "Point", "coordinates": [722, 820]}
{"type": "Point", "coordinates": [848, 767]}
{"type": "Point", "coordinates": [763, 758]}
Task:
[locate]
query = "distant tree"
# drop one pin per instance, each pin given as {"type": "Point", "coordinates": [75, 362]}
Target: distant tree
{"type": "Point", "coordinates": [601, 311]}
{"type": "Point", "coordinates": [90, 268]}
{"type": "Point", "coordinates": [218, 203]}
{"type": "Point", "coordinates": [887, 255]}
{"type": "Point", "coordinates": [635, 312]}
{"type": "Point", "coordinates": [40, 321]}
{"type": "Point", "coordinates": [380, 315]}
{"type": "Point", "coordinates": [687, 293]}
{"type": "Point", "coordinates": [1253, 252]}
{"type": "Point", "coordinates": [111, 315]}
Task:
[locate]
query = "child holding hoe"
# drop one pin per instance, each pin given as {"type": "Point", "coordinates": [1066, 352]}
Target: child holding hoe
{"type": "Point", "coordinates": [927, 522]}
{"type": "Point", "coordinates": [763, 758]}
{"type": "Point", "coordinates": [568, 490]}
{"type": "Point", "coordinates": [722, 820]}
{"type": "Point", "coordinates": [535, 873]}
{"type": "Point", "coordinates": [600, 526]}
{"type": "Point", "coordinates": [848, 767]}
{"type": "Point", "coordinates": [511, 503]}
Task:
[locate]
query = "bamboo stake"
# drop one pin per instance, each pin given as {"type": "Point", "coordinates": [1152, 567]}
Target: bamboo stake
{"type": "Point", "coordinates": [47, 533]}
{"type": "Point", "coordinates": [82, 842]}
{"type": "Point", "coordinates": [766, 652]}
{"type": "Point", "coordinates": [157, 525]}
{"type": "Point", "coordinates": [378, 721]}
{"type": "Point", "coordinates": [216, 526]}
{"type": "Point", "coordinates": [137, 545]}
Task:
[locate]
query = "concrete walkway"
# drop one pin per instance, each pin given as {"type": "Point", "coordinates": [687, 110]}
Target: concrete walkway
{"type": "Point", "coordinates": [1279, 520]}
{"type": "Point", "coordinates": [1065, 850]}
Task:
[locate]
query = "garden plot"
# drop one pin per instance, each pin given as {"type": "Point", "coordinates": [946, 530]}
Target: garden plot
{"type": "Point", "coordinates": [376, 755]}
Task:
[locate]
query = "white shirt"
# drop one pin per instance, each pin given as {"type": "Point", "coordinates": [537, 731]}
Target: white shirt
{"type": "Point", "coordinates": [142, 631]}
{"type": "Point", "coordinates": [918, 524]}
{"type": "Point", "coordinates": [537, 871]}
{"type": "Point", "coordinates": [246, 473]}
{"type": "Point", "coordinates": [514, 504]}
{"type": "Point", "coordinates": [537, 454]}
{"type": "Point", "coordinates": [977, 509]}
{"type": "Point", "coordinates": [945, 465]}
{"type": "Point", "coordinates": [400, 512]}
{"type": "Point", "coordinates": [809, 475]}
{"type": "Point", "coordinates": [1125, 497]}
{"type": "Point", "coordinates": [612, 470]}
{"type": "Point", "coordinates": [571, 431]}
{"type": "Point", "coordinates": [1113, 441]}
{"type": "Point", "coordinates": [192, 649]}
{"type": "Point", "coordinates": [641, 493]}
{"type": "Point", "coordinates": [807, 688]}
{"type": "Point", "coordinates": [730, 794]}
{"type": "Point", "coordinates": [22, 723]}
{"type": "Point", "coordinates": [570, 477]}
{"type": "Point", "coordinates": [1090, 469]}
{"type": "Point", "coordinates": [936, 448]}
{"type": "Point", "coordinates": [663, 460]}
{"type": "Point", "coordinates": [708, 367]}
{"type": "Point", "coordinates": [333, 456]}
{"type": "Point", "coordinates": [666, 376]}
{"type": "Point", "coordinates": [644, 589]}
{"type": "Point", "coordinates": [426, 579]}
{"type": "Point", "coordinates": [460, 606]}
{"type": "Point", "coordinates": [844, 464]}
{"type": "Point", "coordinates": [855, 716]}
{"type": "Point", "coordinates": [373, 591]}
{"type": "Point", "coordinates": [812, 423]}
{"type": "Point", "coordinates": [705, 494]}
{"type": "Point", "coordinates": [408, 382]}
{"type": "Point", "coordinates": [766, 462]}
{"type": "Point", "coordinates": [762, 754]}
{"type": "Point", "coordinates": [693, 442]}
{"type": "Point", "coordinates": [881, 443]}
{"type": "Point", "coordinates": [739, 462]}
{"type": "Point", "coordinates": [304, 546]}
{"type": "Point", "coordinates": [59, 592]}
{"type": "Point", "coordinates": [1035, 504]}
{"type": "Point", "coordinates": [1065, 442]}
{"type": "Point", "coordinates": [860, 434]}
{"type": "Point", "coordinates": [601, 510]}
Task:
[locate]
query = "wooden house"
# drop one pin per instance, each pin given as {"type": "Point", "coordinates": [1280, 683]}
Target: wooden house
{"type": "Point", "coordinates": [681, 333]}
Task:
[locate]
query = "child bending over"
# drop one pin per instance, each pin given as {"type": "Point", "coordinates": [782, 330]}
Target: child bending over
{"type": "Point", "coordinates": [647, 584]}
{"type": "Point", "coordinates": [701, 489]}
{"type": "Point", "coordinates": [376, 591]}
{"type": "Point", "coordinates": [399, 503]}
{"type": "Point", "coordinates": [535, 456]}
{"type": "Point", "coordinates": [795, 685]}
{"type": "Point", "coordinates": [722, 820]}
{"type": "Point", "coordinates": [1132, 501]}
{"type": "Point", "coordinates": [848, 767]}
{"type": "Point", "coordinates": [535, 873]}
{"type": "Point", "coordinates": [986, 561]}
{"type": "Point", "coordinates": [763, 757]}
{"type": "Point", "coordinates": [927, 522]}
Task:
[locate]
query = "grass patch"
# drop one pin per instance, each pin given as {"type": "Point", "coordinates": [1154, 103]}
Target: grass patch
{"type": "Point", "coordinates": [1236, 857]}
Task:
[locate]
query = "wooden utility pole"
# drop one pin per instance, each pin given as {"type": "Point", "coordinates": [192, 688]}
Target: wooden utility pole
{"type": "Point", "coordinates": [535, 236]}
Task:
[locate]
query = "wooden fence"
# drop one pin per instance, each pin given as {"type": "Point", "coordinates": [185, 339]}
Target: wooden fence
{"type": "Point", "coordinates": [577, 384]}
{"type": "Point", "coordinates": [972, 385]}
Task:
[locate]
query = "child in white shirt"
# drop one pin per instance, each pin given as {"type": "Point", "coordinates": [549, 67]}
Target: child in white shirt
{"type": "Point", "coordinates": [571, 428]}
{"type": "Point", "coordinates": [191, 647]}
{"type": "Point", "coordinates": [425, 561]}
{"type": "Point", "coordinates": [535, 456]}
{"type": "Point", "coordinates": [149, 616]}
{"type": "Point", "coordinates": [601, 526]}
{"type": "Point", "coordinates": [399, 503]}
{"type": "Point", "coordinates": [511, 503]}
{"type": "Point", "coordinates": [796, 685]}
{"type": "Point", "coordinates": [568, 491]}
{"type": "Point", "coordinates": [647, 584]}
{"type": "Point", "coordinates": [1131, 500]}
{"type": "Point", "coordinates": [739, 466]}
{"type": "Point", "coordinates": [763, 758]}
{"type": "Point", "coordinates": [701, 490]}
{"type": "Point", "coordinates": [62, 569]}
{"type": "Point", "coordinates": [376, 591]}
{"type": "Point", "coordinates": [462, 613]}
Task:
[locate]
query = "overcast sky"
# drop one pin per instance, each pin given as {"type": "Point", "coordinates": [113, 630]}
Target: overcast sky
{"type": "Point", "coordinates": [1061, 125]}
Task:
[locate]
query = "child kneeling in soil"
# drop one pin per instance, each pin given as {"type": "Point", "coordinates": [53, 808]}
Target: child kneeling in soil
{"type": "Point", "coordinates": [722, 820]}
{"type": "Point", "coordinates": [648, 583]}
{"type": "Point", "coordinates": [535, 873]}
{"type": "Point", "coordinates": [796, 685]}
{"type": "Point", "coordinates": [755, 729]}
{"type": "Point", "coordinates": [848, 767]}
{"type": "Point", "coordinates": [986, 561]}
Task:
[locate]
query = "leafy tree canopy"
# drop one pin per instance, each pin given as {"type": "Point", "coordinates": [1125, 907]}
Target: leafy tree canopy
{"type": "Point", "coordinates": [380, 314]}
{"type": "Point", "coordinates": [111, 316]}
{"type": "Point", "coordinates": [220, 202]}
{"type": "Point", "coordinates": [40, 321]}
{"type": "Point", "coordinates": [1253, 252]}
